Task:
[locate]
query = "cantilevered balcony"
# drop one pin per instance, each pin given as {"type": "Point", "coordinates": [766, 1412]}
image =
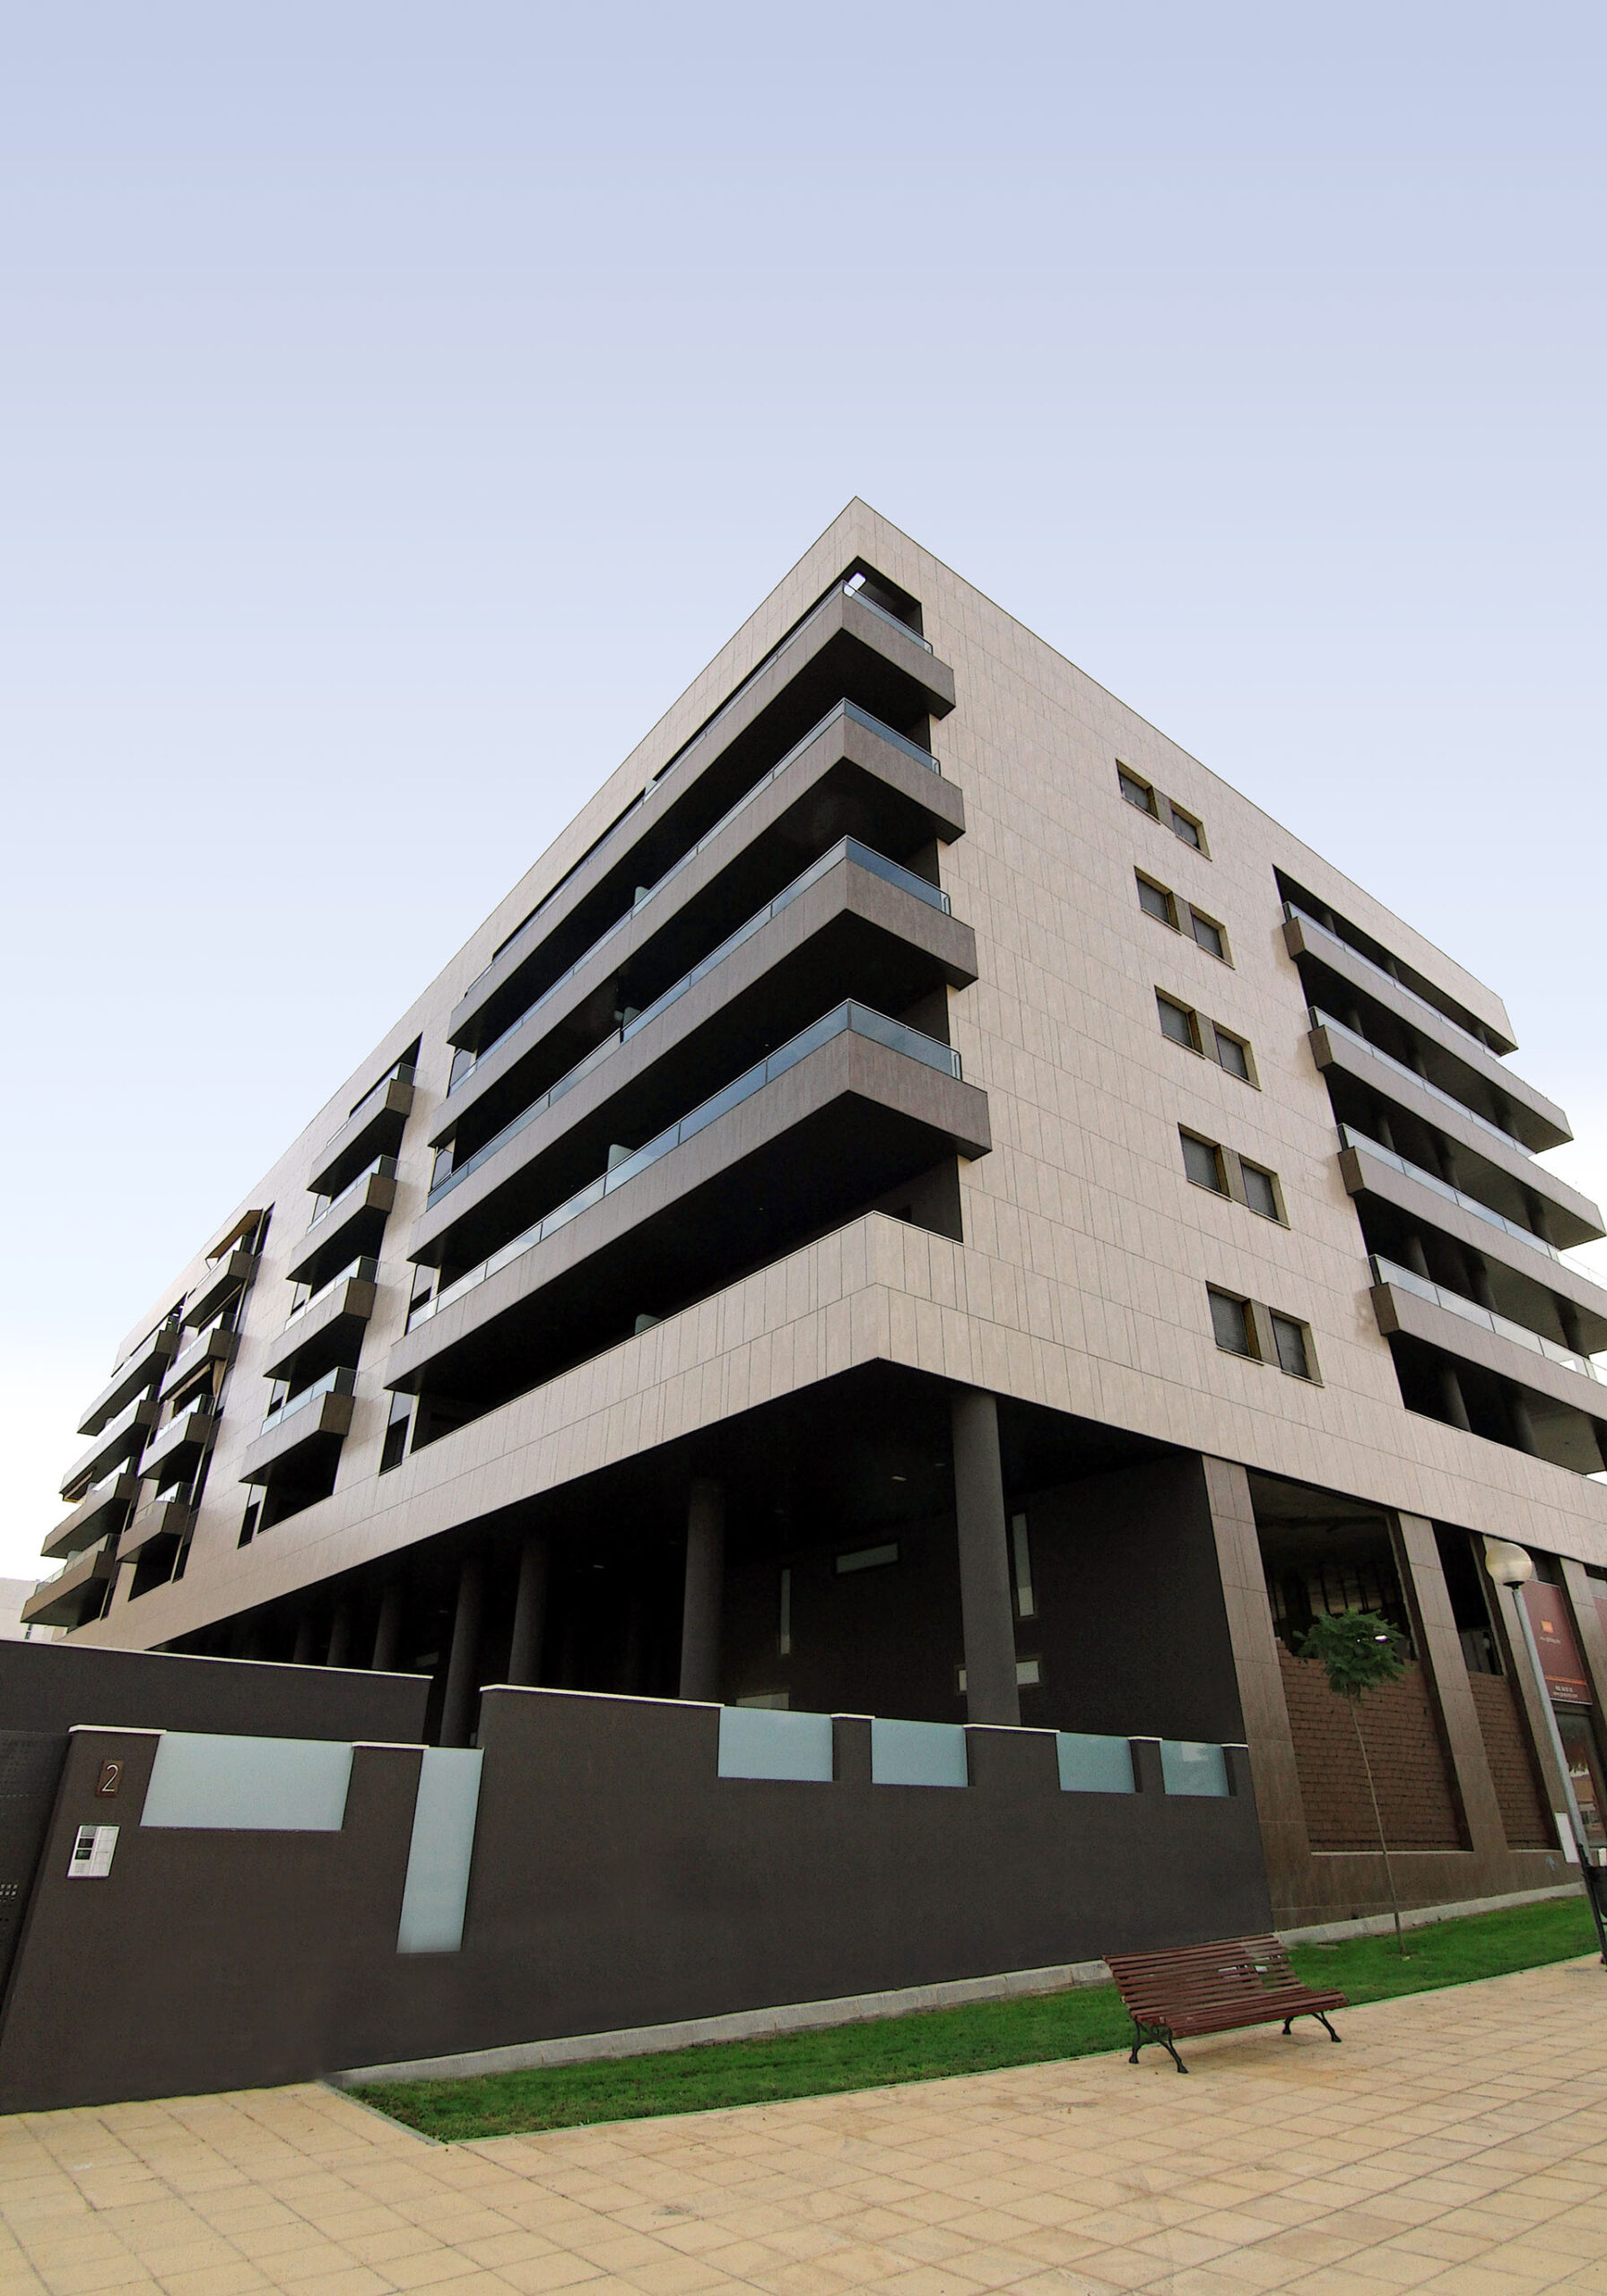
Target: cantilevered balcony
{"type": "Point", "coordinates": [119, 1439]}
{"type": "Point", "coordinates": [329, 1322]}
{"type": "Point", "coordinates": [1453, 1059]}
{"type": "Point", "coordinates": [76, 1593]}
{"type": "Point", "coordinates": [102, 1512]}
{"type": "Point", "coordinates": [347, 1226]}
{"type": "Point", "coordinates": [853, 922]}
{"type": "Point", "coordinates": [854, 1108]}
{"type": "Point", "coordinates": [136, 1373]}
{"type": "Point", "coordinates": [317, 1418]}
{"type": "Point", "coordinates": [229, 1273]}
{"type": "Point", "coordinates": [218, 1342]}
{"type": "Point", "coordinates": [847, 653]}
{"type": "Point", "coordinates": [176, 1448]}
{"type": "Point", "coordinates": [1359, 1075]}
{"type": "Point", "coordinates": [163, 1520]}
{"type": "Point", "coordinates": [374, 1129]}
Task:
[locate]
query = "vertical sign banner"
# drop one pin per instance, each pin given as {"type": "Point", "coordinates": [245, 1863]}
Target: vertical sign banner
{"type": "Point", "coordinates": [1560, 1659]}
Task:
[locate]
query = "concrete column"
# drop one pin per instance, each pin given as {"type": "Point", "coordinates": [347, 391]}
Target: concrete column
{"type": "Point", "coordinates": [464, 1664]}
{"type": "Point", "coordinates": [529, 1611]}
{"type": "Point", "coordinates": [705, 1591]}
{"type": "Point", "coordinates": [1417, 1258]}
{"type": "Point", "coordinates": [1439, 1647]}
{"type": "Point", "coordinates": [1573, 1330]}
{"type": "Point", "coordinates": [988, 1613]}
{"type": "Point", "coordinates": [1589, 1625]}
{"type": "Point", "coordinates": [302, 1655]}
{"type": "Point", "coordinates": [1478, 1276]}
{"type": "Point", "coordinates": [387, 1634]}
{"type": "Point", "coordinates": [1522, 1426]}
{"type": "Point", "coordinates": [1451, 1396]}
{"type": "Point", "coordinates": [1383, 1132]}
{"type": "Point", "coordinates": [340, 1635]}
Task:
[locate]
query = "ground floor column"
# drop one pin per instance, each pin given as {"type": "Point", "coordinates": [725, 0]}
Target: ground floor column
{"type": "Point", "coordinates": [705, 1589]}
{"type": "Point", "coordinates": [1443, 1661]}
{"type": "Point", "coordinates": [387, 1634]}
{"type": "Point", "coordinates": [987, 1614]}
{"type": "Point", "coordinates": [462, 1667]}
{"type": "Point", "coordinates": [529, 1611]}
{"type": "Point", "coordinates": [340, 1635]}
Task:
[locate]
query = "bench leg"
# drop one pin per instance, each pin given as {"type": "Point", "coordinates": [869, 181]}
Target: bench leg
{"type": "Point", "coordinates": [1144, 2033]}
{"type": "Point", "coordinates": [1317, 2013]}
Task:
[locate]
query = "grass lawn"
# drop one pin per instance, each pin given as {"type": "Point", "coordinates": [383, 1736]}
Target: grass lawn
{"type": "Point", "coordinates": [935, 2043]}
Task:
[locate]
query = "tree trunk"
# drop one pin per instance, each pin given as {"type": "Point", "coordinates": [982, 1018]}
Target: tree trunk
{"type": "Point", "coordinates": [1394, 1905]}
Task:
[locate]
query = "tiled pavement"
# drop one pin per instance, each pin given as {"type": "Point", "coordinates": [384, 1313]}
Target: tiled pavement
{"type": "Point", "coordinates": [1457, 2141]}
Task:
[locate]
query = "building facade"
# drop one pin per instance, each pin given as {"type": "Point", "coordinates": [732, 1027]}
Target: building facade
{"type": "Point", "coordinates": [924, 1202]}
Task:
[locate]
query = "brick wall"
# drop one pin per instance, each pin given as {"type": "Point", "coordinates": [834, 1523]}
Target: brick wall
{"type": "Point", "coordinates": [1507, 1751]}
{"type": "Point", "coordinates": [1403, 1746]}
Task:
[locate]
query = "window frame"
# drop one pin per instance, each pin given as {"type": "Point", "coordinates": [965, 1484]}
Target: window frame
{"type": "Point", "coordinates": [1213, 1148]}
{"type": "Point", "coordinates": [1219, 1035]}
{"type": "Point", "coordinates": [1194, 841]}
{"type": "Point", "coordinates": [1250, 1352]}
{"type": "Point", "coordinates": [1192, 1040]}
{"type": "Point", "coordinates": [1302, 1331]}
{"type": "Point", "coordinates": [1147, 801]}
{"type": "Point", "coordinates": [1168, 913]}
{"type": "Point", "coordinates": [1198, 917]}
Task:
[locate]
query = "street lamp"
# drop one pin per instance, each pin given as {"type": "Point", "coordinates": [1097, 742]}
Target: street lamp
{"type": "Point", "coordinates": [1513, 1566]}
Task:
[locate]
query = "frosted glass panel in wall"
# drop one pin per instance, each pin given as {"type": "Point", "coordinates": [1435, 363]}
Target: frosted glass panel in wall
{"type": "Point", "coordinates": [1093, 1765]}
{"type": "Point", "coordinates": [758, 1741]}
{"type": "Point", "coordinates": [918, 1753]}
{"type": "Point", "coordinates": [1190, 1766]}
{"type": "Point", "coordinates": [248, 1784]}
{"type": "Point", "coordinates": [440, 1855]}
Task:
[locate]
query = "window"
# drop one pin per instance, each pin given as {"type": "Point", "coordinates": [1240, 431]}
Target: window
{"type": "Point", "coordinates": [1156, 901]}
{"type": "Point", "coordinates": [1261, 1191]}
{"type": "Point", "coordinates": [395, 1447]}
{"type": "Point", "coordinates": [1026, 1606]}
{"type": "Point", "coordinates": [1184, 825]}
{"type": "Point", "coordinates": [784, 1619]}
{"type": "Point", "coordinates": [1233, 1053]}
{"type": "Point", "coordinates": [248, 1523]}
{"type": "Point", "coordinates": [1202, 1162]}
{"type": "Point", "coordinates": [1230, 1321]}
{"type": "Point", "coordinates": [1208, 936]}
{"type": "Point", "coordinates": [1177, 1022]}
{"type": "Point", "coordinates": [1136, 792]}
{"type": "Point", "coordinates": [1289, 1339]}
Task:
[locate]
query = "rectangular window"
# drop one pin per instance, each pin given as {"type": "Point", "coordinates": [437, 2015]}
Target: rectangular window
{"type": "Point", "coordinates": [248, 1523]}
{"type": "Point", "coordinates": [1177, 1022]}
{"type": "Point", "coordinates": [1202, 1162]}
{"type": "Point", "coordinates": [1230, 1322]}
{"type": "Point", "coordinates": [1156, 901]}
{"type": "Point", "coordinates": [1136, 792]}
{"type": "Point", "coordinates": [866, 1558]}
{"type": "Point", "coordinates": [1261, 1191]}
{"type": "Point", "coordinates": [1293, 1354]}
{"type": "Point", "coordinates": [395, 1448]}
{"type": "Point", "coordinates": [1233, 1053]}
{"type": "Point", "coordinates": [1184, 825]}
{"type": "Point", "coordinates": [783, 1629]}
{"type": "Point", "coordinates": [1025, 1605]}
{"type": "Point", "coordinates": [1208, 936]}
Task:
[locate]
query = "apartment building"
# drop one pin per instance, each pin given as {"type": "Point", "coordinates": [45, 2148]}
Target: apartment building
{"type": "Point", "coordinates": [924, 1202]}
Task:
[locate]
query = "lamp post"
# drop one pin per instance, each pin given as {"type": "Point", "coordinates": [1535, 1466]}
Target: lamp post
{"type": "Point", "coordinates": [1513, 1566]}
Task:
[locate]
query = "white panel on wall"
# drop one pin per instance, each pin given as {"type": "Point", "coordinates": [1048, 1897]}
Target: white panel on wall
{"type": "Point", "coordinates": [1193, 1766]}
{"type": "Point", "coordinates": [1090, 1764]}
{"type": "Point", "coordinates": [248, 1784]}
{"type": "Point", "coordinates": [442, 1851]}
{"type": "Point", "coordinates": [918, 1753]}
{"type": "Point", "coordinates": [756, 1742]}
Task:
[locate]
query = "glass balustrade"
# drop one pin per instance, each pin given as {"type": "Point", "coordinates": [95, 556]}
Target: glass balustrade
{"type": "Point", "coordinates": [1321, 1019]}
{"type": "Point", "coordinates": [340, 1381]}
{"type": "Point", "coordinates": [364, 1269]}
{"type": "Point", "coordinates": [180, 1429]}
{"type": "Point", "coordinates": [195, 1351]}
{"type": "Point", "coordinates": [401, 1073]}
{"type": "Point", "coordinates": [843, 709]}
{"type": "Point", "coordinates": [1389, 1271]}
{"type": "Point", "coordinates": [382, 1168]}
{"type": "Point", "coordinates": [860, 1020]}
{"type": "Point", "coordinates": [1293, 908]}
{"type": "Point", "coordinates": [847, 848]}
{"type": "Point", "coordinates": [1352, 1138]}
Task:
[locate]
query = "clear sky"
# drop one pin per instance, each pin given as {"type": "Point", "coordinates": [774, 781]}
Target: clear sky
{"type": "Point", "coordinates": [399, 404]}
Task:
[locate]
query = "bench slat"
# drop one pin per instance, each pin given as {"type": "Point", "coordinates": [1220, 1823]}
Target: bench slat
{"type": "Point", "coordinates": [1224, 1984]}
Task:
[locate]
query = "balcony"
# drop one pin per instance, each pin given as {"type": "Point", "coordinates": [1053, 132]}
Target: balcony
{"type": "Point", "coordinates": [346, 1226]}
{"type": "Point", "coordinates": [133, 1376]}
{"type": "Point", "coordinates": [217, 1343]}
{"type": "Point", "coordinates": [166, 1519]}
{"type": "Point", "coordinates": [1538, 1274]}
{"type": "Point", "coordinates": [227, 1274]}
{"type": "Point", "coordinates": [1456, 1061]}
{"type": "Point", "coordinates": [332, 1319]}
{"type": "Point", "coordinates": [316, 1419]}
{"type": "Point", "coordinates": [100, 1513]}
{"type": "Point", "coordinates": [853, 921]}
{"type": "Point", "coordinates": [177, 1447]}
{"type": "Point", "coordinates": [1358, 1074]}
{"type": "Point", "coordinates": [76, 1593]}
{"type": "Point", "coordinates": [854, 1107]}
{"type": "Point", "coordinates": [848, 654]}
{"type": "Point", "coordinates": [119, 1441]}
{"type": "Point", "coordinates": [374, 1129]}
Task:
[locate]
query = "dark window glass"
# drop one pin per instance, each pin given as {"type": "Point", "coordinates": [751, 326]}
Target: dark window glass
{"type": "Point", "coordinates": [1154, 901]}
{"type": "Point", "coordinates": [1203, 1163]}
{"type": "Point", "coordinates": [1290, 1338]}
{"type": "Point", "coordinates": [1260, 1194]}
{"type": "Point", "coordinates": [463, 1060]}
{"type": "Point", "coordinates": [1136, 792]}
{"type": "Point", "coordinates": [248, 1522]}
{"type": "Point", "coordinates": [1230, 1321]}
{"type": "Point", "coordinates": [1208, 936]}
{"type": "Point", "coordinates": [1233, 1056]}
{"type": "Point", "coordinates": [395, 1448]}
{"type": "Point", "coordinates": [1177, 1022]}
{"type": "Point", "coordinates": [442, 1166]}
{"type": "Point", "coordinates": [1189, 832]}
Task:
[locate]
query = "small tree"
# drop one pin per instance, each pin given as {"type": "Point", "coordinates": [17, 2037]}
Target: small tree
{"type": "Point", "coordinates": [1359, 1651]}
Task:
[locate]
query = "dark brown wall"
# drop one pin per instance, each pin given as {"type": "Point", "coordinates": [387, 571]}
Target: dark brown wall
{"type": "Point", "coordinates": [618, 1881]}
{"type": "Point", "coordinates": [55, 1685]}
{"type": "Point", "coordinates": [1507, 1750]}
{"type": "Point", "coordinates": [1402, 1746]}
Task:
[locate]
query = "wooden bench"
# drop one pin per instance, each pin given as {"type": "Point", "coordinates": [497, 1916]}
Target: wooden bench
{"type": "Point", "coordinates": [1214, 1989]}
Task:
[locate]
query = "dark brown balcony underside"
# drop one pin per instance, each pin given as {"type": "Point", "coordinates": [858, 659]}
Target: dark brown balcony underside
{"type": "Point", "coordinates": [330, 1332]}
{"type": "Point", "coordinates": [105, 1510]}
{"type": "Point", "coordinates": [141, 1370]}
{"type": "Point", "coordinates": [302, 1442]}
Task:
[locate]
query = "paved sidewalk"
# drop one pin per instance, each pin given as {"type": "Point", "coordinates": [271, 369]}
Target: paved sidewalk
{"type": "Point", "coordinates": [1457, 2143]}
